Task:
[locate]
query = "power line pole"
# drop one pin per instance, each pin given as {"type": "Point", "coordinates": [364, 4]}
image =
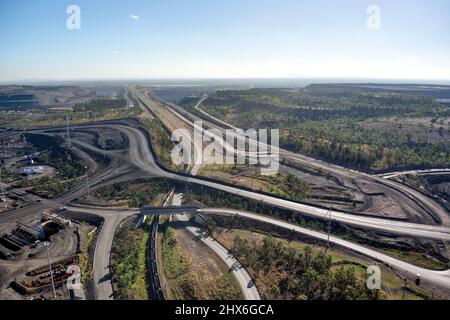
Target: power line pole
{"type": "Point", "coordinates": [87, 183]}
{"type": "Point", "coordinates": [329, 228]}
{"type": "Point", "coordinates": [102, 144]}
{"type": "Point", "coordinates": [404, 288]}
{"type": "Point", "coordinates": [50, 269]}
{"type": "Point", "coordinates": [68, 131]}
{"type": "Point", "coordinates": [1, 187]}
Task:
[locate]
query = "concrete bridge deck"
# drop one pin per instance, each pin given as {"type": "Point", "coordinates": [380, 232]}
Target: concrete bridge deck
{"type": "Point", "coordinates": [183, 210]}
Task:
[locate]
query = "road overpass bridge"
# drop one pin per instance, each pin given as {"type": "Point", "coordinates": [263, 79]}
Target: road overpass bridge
{"type": "Point", "coordinates": [161, 211]}
{"type": "Point", "coordinates": [158, 211]}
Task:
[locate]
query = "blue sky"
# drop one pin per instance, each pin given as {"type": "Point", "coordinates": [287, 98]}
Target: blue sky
{"type": "Point", "coordinates": [224, 39]}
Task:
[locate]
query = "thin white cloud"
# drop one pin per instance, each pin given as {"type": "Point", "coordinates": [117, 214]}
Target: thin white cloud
{"type": "Point", "coordinates": [414, 59]}
{"type": "Point", "coordinates": [134, 17]}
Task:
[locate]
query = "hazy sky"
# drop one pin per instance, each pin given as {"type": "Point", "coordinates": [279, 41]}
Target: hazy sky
{"type": "Point", "coordinates": [224, 38]}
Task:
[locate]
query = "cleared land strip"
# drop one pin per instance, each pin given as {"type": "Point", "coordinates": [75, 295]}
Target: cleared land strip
{"type": "Point", "coordinates": [248, 288]}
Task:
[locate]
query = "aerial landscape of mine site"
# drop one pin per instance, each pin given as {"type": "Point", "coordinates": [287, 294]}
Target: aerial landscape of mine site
{"type": "Point", "coordinates": [225, 164]}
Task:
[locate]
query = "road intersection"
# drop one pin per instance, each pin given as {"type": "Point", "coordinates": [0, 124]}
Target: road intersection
{"type": "Point", "coordinates": [140, 156]}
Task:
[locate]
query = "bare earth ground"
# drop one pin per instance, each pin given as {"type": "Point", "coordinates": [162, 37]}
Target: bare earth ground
{"type": "Point", "coordinates": [205, 269]}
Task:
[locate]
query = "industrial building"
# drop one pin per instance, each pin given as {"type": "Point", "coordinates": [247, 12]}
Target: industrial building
{"type": "Point", "coordinates": [30, 171]}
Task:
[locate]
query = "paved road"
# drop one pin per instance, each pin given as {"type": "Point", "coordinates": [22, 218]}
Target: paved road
{"type": "Point", "coordinates": [414, 172]}
{"type": "Point", "coordinates": [141, 157]}
{"type": "Point", "coordinates": [78, 190]}
{"type": "Point", "coordinates": [435, 232]}
{"type": "Point", "coordinates": [101, 272]}
{"type": "Point", "coordinates": [153, 108]}
{"type": "Point", "coordinates": [248, 288]}
{"type": "Point", "coordinates": [102, 255]}
{"type": "Point", "coordinates": [441, 278]}
{"type": "Point", "coordinates": [408, 195]}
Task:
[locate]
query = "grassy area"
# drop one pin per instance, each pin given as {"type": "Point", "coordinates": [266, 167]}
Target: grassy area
{"type": "Point", "coordinates": [184, 284]}
{"type": "Point", "coordinates": [49, 186]}
{"type": "Point", "coordinates": [128, 263]}
{"type": "Point", "coordinates": [96, 110]}
{"type": "Point", "coordinates": [136, 193]}
{"type": "Point", "coordinates": [8, 176]}
{"type": "Point", "coordinates": [418, 259]}
{"type": "Point", "coordinates": [284, 185]}
{"type": "Point", "coordinates": [161, 142]}
{"type": "Point", "coordinates": [190, 286]}
{"type": "Point", "coordinates": [223, 288]}
{"type": "Point", "coordinates": [394, 288]}
{"type": "Point", "coordinates": [186, 287]}
{"type": "Point", "coordinates": [193, 271]}
{"type": "Point", "coordinates": [141, 284]}
{"type": "Point", "coordinates": [175, 263]}
{"type": "Point", "coordinates": [85, 263]}
{"type": "Point", "coordinates": [226, 238]}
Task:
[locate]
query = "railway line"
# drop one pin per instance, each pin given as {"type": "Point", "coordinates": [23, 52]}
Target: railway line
{"type": "Point", "coordinates": [155, 289]}
{"type": "Point", "coordinates": [424, 206]}
{"type": "Point", "coordinates": [139, 155]}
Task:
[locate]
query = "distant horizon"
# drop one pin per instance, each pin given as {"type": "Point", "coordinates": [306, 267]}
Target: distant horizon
{"type": "Point", "coordinates": [193, 81]}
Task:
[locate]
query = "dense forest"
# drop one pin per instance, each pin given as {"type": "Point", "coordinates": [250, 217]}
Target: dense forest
{"type": "Point", "coordinates": [369, 130]}
{"type": "Point", "coordinates": [100, 106]}
{"type": "Point", "coordinates": [95, 110]}
{"type": "Point", "coordinates": [300, 274]}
